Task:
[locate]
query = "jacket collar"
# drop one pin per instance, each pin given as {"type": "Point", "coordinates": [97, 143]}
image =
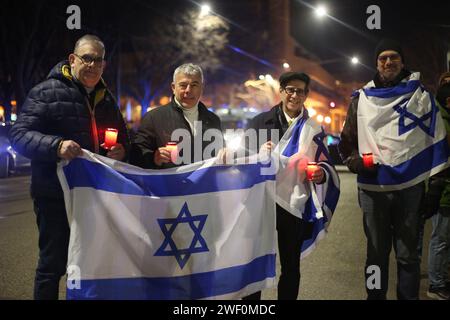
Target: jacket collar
{"type": "Point", "coordinates": [202, 110]}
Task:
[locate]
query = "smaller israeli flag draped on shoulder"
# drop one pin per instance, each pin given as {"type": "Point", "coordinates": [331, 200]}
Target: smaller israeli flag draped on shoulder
{"type": "Point", "coordinates": [201, 231]}
{"type": "Point", "coordinates": [403, 129]}
{"type": "Point", "coordinates": [303, 143]}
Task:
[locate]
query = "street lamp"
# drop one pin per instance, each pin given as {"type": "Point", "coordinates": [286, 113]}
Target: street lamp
{"type": "Point", "coordinates": [355, 60]}
{"type": "Point", "coordinates": [204, 10]}
{"type": "Point", "coordinates": [311, 112]}
{"type": "Point", "coordinates": [321, 11]}
{"type": "Point", "coordinates": [269, 79]}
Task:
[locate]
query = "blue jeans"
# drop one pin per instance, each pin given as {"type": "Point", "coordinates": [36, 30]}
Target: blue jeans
{"type": "Point", "coordinates": [439, 248]}
{"type": "Point", "coordinates": [54, 233]}
{"type": "Point", "coordinates": [393, 219]}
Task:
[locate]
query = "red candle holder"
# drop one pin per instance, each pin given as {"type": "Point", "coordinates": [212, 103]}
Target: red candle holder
{"type": "Point", "coordinates": [310, 169]}
{"type": "Point", "coordinates": [173, 148]}
{"type": "Point", "coordinates": [368, 160]}
{"type": "Point", "coordinates": [110, 138]}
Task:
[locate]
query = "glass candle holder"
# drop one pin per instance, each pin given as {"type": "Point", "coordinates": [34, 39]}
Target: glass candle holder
{"type": "Point", "coordinates": [310, 169]}
{"type": "Point", "coordinates": [173, 148]}
{"type": "Point", "coordinates": [110, 138]}
{"type": "Point", "coordinates": [368, 160]}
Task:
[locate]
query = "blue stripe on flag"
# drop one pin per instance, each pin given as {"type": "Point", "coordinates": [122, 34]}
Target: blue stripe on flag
{"type": "Point", "coordinates": [309, 214]}
{"type": "Point", "coordinates": [332, 196]}
{"type": "Point", "coordinates": [211, 179]}
{"type": "Point", "coordinates": [292, 147]}
{"type": "Point", "coordinates": [318, 226]}
{"type": "Point", "coordinates": [424, 161]}
{"type": "Point", "coordinates": [194, 286]}
{"type": "Point", "coordinates": [399, 90]}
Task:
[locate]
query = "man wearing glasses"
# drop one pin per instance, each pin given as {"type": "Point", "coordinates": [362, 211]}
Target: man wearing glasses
{"type": "Point", "coordinates": [395, 120]}
{"type": "Point", "coordinates": [67, 112]}
{"type": "Point", "coordinates": [292, 231]}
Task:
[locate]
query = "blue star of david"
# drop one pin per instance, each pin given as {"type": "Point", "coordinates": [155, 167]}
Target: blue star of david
{"type": "Point", "coordinates": [401, 109]}
{"type": "Point", "coordinates": [321, 149]}
{"type": "Point", "coordinates": [168, 226]}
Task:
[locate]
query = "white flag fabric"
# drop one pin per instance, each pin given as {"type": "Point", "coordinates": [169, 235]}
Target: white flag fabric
{"type": "Point", "coordinates": [303, 143]}
{"type": "Point", "coordinates": [201, 231]}
{"type": "Point", "coordinates": [403, 129]}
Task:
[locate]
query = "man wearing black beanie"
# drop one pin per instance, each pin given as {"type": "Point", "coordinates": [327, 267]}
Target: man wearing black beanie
{"type": "Point", "coordinates": [383, 120]}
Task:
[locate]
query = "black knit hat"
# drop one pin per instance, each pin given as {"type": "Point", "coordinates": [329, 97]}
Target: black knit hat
{"type": "Point", "coordinates": [388, 44]}
{"type": "Point", "coordinates": [289, 76]}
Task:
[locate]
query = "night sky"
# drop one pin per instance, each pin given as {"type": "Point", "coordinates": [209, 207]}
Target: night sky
{"type": "Point", "coordinates": [329, 41]}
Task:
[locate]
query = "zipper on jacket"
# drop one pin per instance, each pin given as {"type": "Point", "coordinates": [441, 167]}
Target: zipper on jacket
{"type": "Point", "coordinates": [93, 126]}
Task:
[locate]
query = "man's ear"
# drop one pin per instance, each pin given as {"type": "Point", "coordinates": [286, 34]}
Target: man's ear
{"type": "Point", "coordinates": [71, 59]}
{"type": "Point", "coordinates": [173, 87]}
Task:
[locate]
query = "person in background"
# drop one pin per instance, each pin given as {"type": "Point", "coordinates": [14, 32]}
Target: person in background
{"type": "Point", "coordinates": [439, 246]}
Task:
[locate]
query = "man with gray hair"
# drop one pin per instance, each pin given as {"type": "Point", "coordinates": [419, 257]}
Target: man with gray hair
{"type": "Point", "coordinates": [62, 115]}
{"type": "Point", "coordinates": [151, 148]}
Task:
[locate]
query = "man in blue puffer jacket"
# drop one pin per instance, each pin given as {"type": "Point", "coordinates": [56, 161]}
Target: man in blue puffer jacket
{"type": "Point", "coordinates": [62, 115]}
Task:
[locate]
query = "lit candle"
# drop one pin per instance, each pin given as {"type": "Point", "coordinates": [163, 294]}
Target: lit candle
{"type": "Point", "coordinates": [110, 138]}
{"type": "Point", "coordinates": [368, 160]}
{"type": "Point", "coordinates": [310, 169]}
{"type": "Point", "coordinates": [173, 148]}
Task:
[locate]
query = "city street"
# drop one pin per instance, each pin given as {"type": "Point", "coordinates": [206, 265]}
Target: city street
{"type": "Point", "coordinates": [333, 271]}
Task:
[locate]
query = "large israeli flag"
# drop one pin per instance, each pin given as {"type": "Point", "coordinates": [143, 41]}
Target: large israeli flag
{"type": "Point", "coordinates": [303, 143]}
{"type": "Point", "coordinates": [403, 129]}
{"type": "Point", "coordinates": [194, 232]}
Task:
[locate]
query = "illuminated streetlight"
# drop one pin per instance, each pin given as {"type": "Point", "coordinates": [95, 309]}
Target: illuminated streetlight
{"type": "Point", "coordinates": [320, 118]}
{"type": "Point", "coordinates": [311, 112]}
{"type": "Point", "coordinates": [269, 78]}
{"type": "Point", "coordinates": [321, 11]}
{"type": "Point", "coordinates": [355, 60]}
{"type": "Point", "coordinates": [327, 120]}
{"type": "Point", "coordinates": [286, 65]}
{"type": "Point", "coordinates": [332, 104]}
{"type": "Point", "coordinates": [205, 10]}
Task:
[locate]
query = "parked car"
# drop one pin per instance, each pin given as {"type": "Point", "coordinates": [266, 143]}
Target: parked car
{"type": "Point", "coordinates": [10, 160]}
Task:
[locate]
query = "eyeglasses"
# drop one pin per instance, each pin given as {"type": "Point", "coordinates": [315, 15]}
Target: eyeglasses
{"type": "Point", "coordinates": [298, 91]}
{"type": "Point", "coordinates": [88, 60]}
{"type": "Point", "coordinates": [393, 57]}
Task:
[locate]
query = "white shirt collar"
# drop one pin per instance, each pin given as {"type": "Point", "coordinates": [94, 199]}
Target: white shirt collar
{"type": "Point", "coordinates": [187, 110]}
{"type": "Point", "coordinates": [289, 119]}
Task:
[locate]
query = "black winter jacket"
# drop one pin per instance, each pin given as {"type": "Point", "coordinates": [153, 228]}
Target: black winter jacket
{"type": "Point", "coordinates": [156, 130]}
{"type": "Point", "coordinates": [273, 119]}
{"type": "Point", "coordinates": [55, 110]}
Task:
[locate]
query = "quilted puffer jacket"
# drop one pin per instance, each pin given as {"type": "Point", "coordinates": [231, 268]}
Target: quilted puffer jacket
{"type": "Point", "coordinates": [56, 109]}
